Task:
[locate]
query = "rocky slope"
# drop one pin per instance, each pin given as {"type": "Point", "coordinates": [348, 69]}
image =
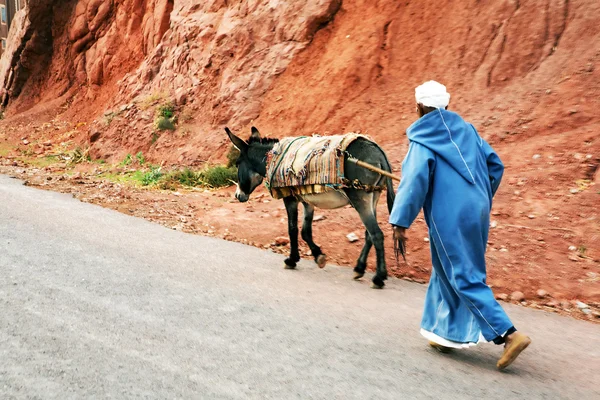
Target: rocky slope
{"type": "Point", "coordinates": [516, 69]}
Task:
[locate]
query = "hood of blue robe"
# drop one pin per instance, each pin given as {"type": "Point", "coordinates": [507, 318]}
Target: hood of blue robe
{"type": "Point", "coordinates": [450, 137]}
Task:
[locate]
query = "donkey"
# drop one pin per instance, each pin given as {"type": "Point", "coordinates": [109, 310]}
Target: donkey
{"type": "Point", "coordinates": [252, 169]}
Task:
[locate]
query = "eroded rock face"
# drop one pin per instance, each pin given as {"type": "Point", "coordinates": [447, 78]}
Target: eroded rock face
{"type": "Point", "coordinates": [225, 56]}
{"type": "Point", "coordinates": [79, 43]}
{"type": "Point", "coordinates": [513, 68]}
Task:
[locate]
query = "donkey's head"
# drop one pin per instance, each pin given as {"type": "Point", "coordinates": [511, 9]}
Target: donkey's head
{"type": "Point", "coordinates": [252, 162]}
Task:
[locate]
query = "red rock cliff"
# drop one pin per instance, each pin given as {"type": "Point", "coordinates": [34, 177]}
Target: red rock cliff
{"type": "Point", "coordinates": [516, 69]}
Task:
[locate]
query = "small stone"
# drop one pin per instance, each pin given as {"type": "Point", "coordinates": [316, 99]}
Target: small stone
{"type": "Point", "coordinates": [281, 241]}
{"type": "Point", "coordinates": [574, 191]}
{"type": "Point", "coordinates": [586, 311]}
{"type": "Point", "coordinates": [504, 250]}
{"type": "Point", "coordinates": [352, 237]}
{"type": "Point", "coordinates": [542, 293]}
{"type": "Point", "coordinates": [573, 258]}
{"type": "Point", "coordinates": [318, 218]}
{"type": "Point", "coordinates": [502, 296]}
{"type": "Point", "coordinates": [517, 296]}
{"type": "Point", "coordinates": [581, 305]}
{"type": "Point", "coordinates": [426, 240]}
{"type": "Point", "coordinates": [25, 142]}
{"type": "Point", "coordinates": [180, 97]}
{"type": "Point", "coordinates": [48, 143]}
{"type": "Point", "coordinates": [537, 156]}
{"type": "Point", "coordinates": [552, 303]}
{"type": "Point", "coordinates": [565, 305]}
{"type": "Point", "coordinates": [572, 248]}
{"type": "Point", "coordinates": [493, 224]}
{"type": "Point", "coordinates": [531, 216]}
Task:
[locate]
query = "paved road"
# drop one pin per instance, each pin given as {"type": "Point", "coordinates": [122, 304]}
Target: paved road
{"type": "Point", "coordinates": [96, 304]}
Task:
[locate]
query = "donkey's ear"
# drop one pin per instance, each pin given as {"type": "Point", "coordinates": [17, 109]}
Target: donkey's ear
{"type": "Point", "coordinates": [255, 133]}
{"type": "Point", "coordinates": [237, 142]}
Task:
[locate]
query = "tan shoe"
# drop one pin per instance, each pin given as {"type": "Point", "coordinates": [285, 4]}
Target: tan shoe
{"type": "Point", "coordinates": [515, 344]}
{"type": "Point", "coordinates": [440, 348]}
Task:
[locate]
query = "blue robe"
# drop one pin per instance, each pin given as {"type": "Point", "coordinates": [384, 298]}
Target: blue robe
{"type": "Point", "coordinates": [452, 174]}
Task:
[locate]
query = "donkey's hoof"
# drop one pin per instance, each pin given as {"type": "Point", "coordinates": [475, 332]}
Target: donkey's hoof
{"type": "Point", "coordinates": [378, 283]}
{"type": "Point", "coordinates": [358, 275]}
{"type": "Point", "coordinates": [321, 260]}
{"type": "Point", "coordinates": [289, 263]}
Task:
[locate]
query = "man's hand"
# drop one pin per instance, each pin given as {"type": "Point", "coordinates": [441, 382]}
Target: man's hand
{"type": "Point", "coordinates": [400, 234]}
{"type": "Point", "coordinates": [400, 242]}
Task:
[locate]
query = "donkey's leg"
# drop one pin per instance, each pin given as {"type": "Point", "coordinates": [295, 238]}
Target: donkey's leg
{"type": "Point", "coordinates": [309, 211]}
{"type": "Point", "coordinates": [291, 206]}
{"type": "Point", "coordinates": [361, 263]}
{"type": "Point", "coordinates": [363, 203]}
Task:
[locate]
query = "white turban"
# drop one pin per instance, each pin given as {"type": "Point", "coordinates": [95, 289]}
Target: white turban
{"type": "Point", "coordinates": [432, 94]}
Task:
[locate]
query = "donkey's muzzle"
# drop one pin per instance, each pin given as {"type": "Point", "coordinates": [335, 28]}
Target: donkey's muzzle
{"type": "Point", "coordinates": [241, 196]}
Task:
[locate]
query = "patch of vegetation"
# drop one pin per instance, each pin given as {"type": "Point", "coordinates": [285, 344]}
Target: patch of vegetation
{"type": "Point", "coordinates": [154, 137]}
{"type": "Point", "coordinates": [165, 117]}
{"type": "Point", "coordinates": [163, 124]}
{"type": "Point", "coordinates": [166, 110]}
{"type": "Point", "coordinates": [219, 176]}
{"type": "Point", "coordinates": [78, 156]}
{"type": "Point", "coordinates": [1, 114]}
{"type": "Point", "coordinates": [152, 177]}
{"type": "Point", "coordinates": [131, 178]}
{"type": "Point", "coordinates": [582, 250]}
{"type": "Point", "coordinates": [210, 177]}
{"type": "Point", "coordinates": [41, 162]}
{"type": "Point", "coordinates": [232, 156]}
{"type": "Point", "coordinates": [140, 158]}
{"type": "Point", "coordinates": [186, 177]}
{"type": "Point", "coordinates": [127, 160]}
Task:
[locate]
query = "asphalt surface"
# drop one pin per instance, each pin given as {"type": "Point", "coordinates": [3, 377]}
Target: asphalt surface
{"type": "Point", "coordinates": [97, 304]}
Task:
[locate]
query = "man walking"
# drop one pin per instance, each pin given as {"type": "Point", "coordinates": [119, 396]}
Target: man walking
{"type": "Point", "coordinates": [452, 173]}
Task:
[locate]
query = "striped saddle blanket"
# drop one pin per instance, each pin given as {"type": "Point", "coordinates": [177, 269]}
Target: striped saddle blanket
{"type": "Point", "coordinates": [307, 165]}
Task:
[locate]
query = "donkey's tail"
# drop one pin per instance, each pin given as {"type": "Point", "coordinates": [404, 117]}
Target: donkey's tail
{"type": "Point", "coordinates": [391, 193]}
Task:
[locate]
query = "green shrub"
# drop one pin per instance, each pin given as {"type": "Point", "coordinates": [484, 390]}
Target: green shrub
{"type": "Point", "coordinates": [127, 160]}
{"type": "Point", "coordinates": [140, 158]}
{"type": "Point", "coordinates": [163, 124]}
{"type": "Point", "coordinates": [166, 110]}
{"type": "Point", "coordinates": [188, 177]}
{"type": "Point", "coordinates": [232, 156]}
{"type": "Point", "coordinates": [219, 176]}
{"type": "Point", "coordinates": [152, 177]}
